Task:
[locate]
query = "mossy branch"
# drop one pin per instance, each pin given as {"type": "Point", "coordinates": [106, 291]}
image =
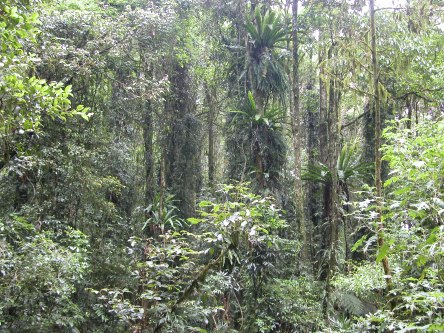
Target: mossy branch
{"type": "Point", "coordinates": [192, 287]}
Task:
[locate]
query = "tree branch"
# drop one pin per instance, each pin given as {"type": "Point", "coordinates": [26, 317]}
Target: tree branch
{"type": "Point", "coordinates": [389, 8]}
{"type": "Point", "coordinates": [355, 120]}
{"type": "Point", "coordinates": [193, 286]}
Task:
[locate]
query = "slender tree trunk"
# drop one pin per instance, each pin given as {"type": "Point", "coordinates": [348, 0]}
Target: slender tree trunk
{"type": "Point", "coordinates": [369, 139]}
{"type": "Point", "coordinates": [320, 229]}
{"type": "Point", "coordinates": [211, 149]}
{"type": "Point", "coordinates": [148, 133]}
{"type": "Point", "coordinates": [297, 137]}
{"type": "Point", "coordinates": [409, 112]}
{"type": "Point", "coordinates": [378, 159]}
{"type": "Point", "coordinates": [312, 195]}
{"type": "Point", "coordinates": [162, 184]}
{"type": "Point", "coordinates": [322, 108]}
{"type": "Point", "coordinates": [210, 97]}
{"type": "Point", "coordinates": [147, 129]}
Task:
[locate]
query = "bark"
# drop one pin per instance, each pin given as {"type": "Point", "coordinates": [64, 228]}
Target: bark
{"type": "Point", "coordinates": [183, 141]}
{"type": "Point", "coordinates": [312, 196]}
{"type": "Point", "coordinates": [211, 100]}
{"type": "Point", "coordinates": [211, 148]}
{"type": "Point", "coordinates": [297, 137]}
{"type": "Point", "coordinates": [378, 159]}
{"type": "Point", "coordinates": [162, 184]}
{"type": "Point", "coordinates": [147, 130]}
{"type": "Point", "coordinates": [331, 199]}
{"type": "Point", "coordinates": [330, 126]}
{"type": "Point", "coordinates": [148, 134]}
{"type": "Point", "coordinates": [409, 112]}
{"type": "Point", "coordinates": [322, 109]}
{"type": "Point", "coordinates": [320, 229]}
{"type": "Point", "coordinates": [260, 179]}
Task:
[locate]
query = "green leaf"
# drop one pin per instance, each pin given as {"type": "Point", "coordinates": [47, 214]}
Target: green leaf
{"type": "Point", "coordinates": [382, 252]}
{"type": "Point", "coordinates": [359, 243]}
{"type": "Point", "coordinates": [85, 116]}
{"type": "Point", "coordinates": [194, 220]}
{"type": "Point", "coordinates": [200, 330]}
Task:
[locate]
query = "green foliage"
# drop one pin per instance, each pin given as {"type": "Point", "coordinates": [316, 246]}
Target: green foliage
{"type": "Point", "coordinates": [242, 218]}
{"type": "Point", "coordinates": [414, 233]}
{"type": "Point", "coordinates": [40, 274]}
{"type": "Point", "coordinates": [271, 118]}
{"type": "Point", "coordinates": [255, 136]}
{"type": "Point", "coordinates": [267, 31]}
{"type": "Point", "coordinates": [234, 235]}
{"type": "Point", "coordinates": [25, 98]}
{"type": "Point", "coordinates": [165, 217]}
{"type": "Point", "coordinates": [412, 54]}
{"type": "Point", "coordinates": [415, 182]}
{"type": "Point", "coordinates": [77, 254]}
{"type": "Point", "coordinates": [295, 304]}
{"type": "Point", "coordinates": [265, 64]}
{"type": "Point", "coordinates": [348, 166]}
{"type": "Point", "coordinates": [362, 280]}
{"type": "Point", "coordinates": [247, 227]}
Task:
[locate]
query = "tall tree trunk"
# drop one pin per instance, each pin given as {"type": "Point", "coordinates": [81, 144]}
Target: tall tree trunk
{"type": "Point", "coordinates": [320, 229]}
{"type": "Point", "coordinates": [148, 133]}
{"type": "Point", "coordinates": [211, 164]}
{"type": "Point", "coordinates": [312, 195]}
{"type": "Point", "coordinates": [147, 129]}
{"type": "Point", "coordinates": [211, 101]}
{"type": "Point", "coordinates": [183, 153]}
{"type": "Point", "coordinates": [322, 107]}
{"type": "Point", "coordinates": [297, 137]}
{"type": "Point", "coordinates": [378, 159]}
{"type": "Point", "coordinates": [369, 139]}
{"type": "Point", "coordinates": [331, 198]}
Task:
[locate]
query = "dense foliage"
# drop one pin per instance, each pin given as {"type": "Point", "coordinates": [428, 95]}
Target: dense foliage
{"type": "Point", "coordinates": [221, 166]}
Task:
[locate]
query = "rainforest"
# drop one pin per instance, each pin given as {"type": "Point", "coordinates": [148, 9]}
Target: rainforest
{"type": "Point", "coordinates": [225, 166]}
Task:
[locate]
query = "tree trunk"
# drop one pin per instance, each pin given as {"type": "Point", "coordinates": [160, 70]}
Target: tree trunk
{"type": "Point", "coordinates": [322, 108]}
{"type": "Point", "coordinates": [210, 97]}
{"type": "Point", "coordinates": [331, 202]}
{"type": "Point", "coordinates": [183, 153]}
{"type": "Point", "coordinates": [409, 112]}
{"type": "Point", "coordinates": [297, 137]}
{"type": "Point", "coordinates": [148, 133]}
{"type": "Point", "coordinates": [314, 206]}
{"type": "Point", "coordinates": [378, 159]}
